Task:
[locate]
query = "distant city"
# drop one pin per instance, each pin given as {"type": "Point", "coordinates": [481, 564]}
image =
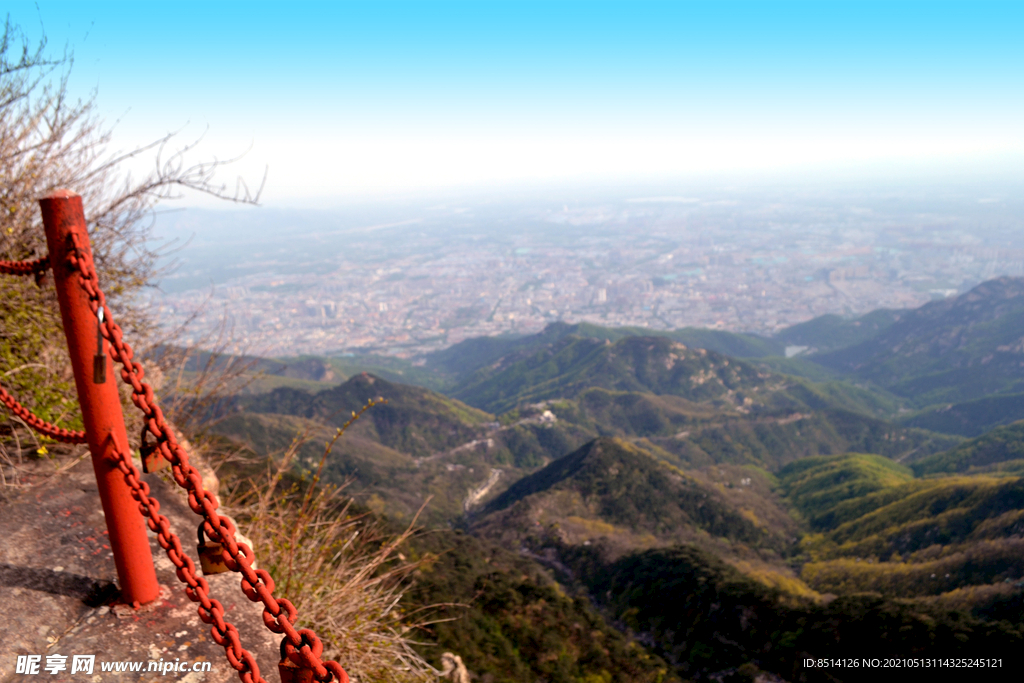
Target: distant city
{"type": "Point", "coordinates": [406, 280]}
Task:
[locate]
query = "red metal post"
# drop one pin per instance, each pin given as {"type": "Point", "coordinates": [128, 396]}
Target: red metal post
{"type": "Point", "coordinates": [101, 405]}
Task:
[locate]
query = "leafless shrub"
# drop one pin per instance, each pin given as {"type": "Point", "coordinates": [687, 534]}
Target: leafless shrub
{"type": "Point", "coordinates": [50, 141]}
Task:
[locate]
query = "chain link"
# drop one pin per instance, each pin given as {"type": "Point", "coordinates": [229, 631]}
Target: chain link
{"type": "Point", "coordinates": [302, 647]}
{"type": "Point", "coordinates": [37, 423]}
{"type": "Point", "coordinates": [35, 267]}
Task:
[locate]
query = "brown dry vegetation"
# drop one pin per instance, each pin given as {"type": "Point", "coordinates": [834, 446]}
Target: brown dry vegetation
{"type": "Point", "coordinates": [342, 570]}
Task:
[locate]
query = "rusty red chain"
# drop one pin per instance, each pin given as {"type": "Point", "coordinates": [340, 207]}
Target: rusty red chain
{"type": "Point", "coordinates": [36, 267]}
{"type": "Point", "coordinates": [211, 611]}
{"type": "Point", "coordinates": [302, 646]}
{"type": "Point", "coordinates": [37, 423]}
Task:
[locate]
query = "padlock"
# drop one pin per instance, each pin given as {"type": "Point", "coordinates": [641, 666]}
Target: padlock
{"type": "Point", "coordinates": [152, 457]}
{"type": "Point", "coordinates": [210, 558]}
{"type": "Point", "coordinates": [99, 361]}
{"type": "Point", "coordinates": [292, 672]}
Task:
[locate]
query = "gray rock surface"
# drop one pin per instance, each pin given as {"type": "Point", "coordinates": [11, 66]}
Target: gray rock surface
{"type": "Point", "coordinates": [58, 588]}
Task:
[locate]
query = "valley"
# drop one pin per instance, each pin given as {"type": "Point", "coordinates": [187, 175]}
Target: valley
{"type": "Point", "coordinates": [699, 501]}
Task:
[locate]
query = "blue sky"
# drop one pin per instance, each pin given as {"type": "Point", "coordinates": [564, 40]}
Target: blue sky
{"type": "Point", "coordinates": [349, 99]}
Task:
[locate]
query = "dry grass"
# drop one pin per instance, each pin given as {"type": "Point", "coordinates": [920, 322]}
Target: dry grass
{"type": "Point", "coordinates": [343, 571]}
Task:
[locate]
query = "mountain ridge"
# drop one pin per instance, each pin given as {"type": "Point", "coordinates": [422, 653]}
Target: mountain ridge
{"type": "Point", "coordinates": [729, 513]}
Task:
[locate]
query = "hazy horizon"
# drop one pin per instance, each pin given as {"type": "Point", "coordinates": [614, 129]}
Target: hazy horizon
{"type": "Point", "coordinates": [439, 170]}
{"type": "Point", "coordinates": [344, 102]}
{"type": "Point", "coordinates": [409, 277]}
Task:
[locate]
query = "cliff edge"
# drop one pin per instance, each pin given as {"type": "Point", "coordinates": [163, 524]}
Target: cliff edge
{"type": "Point", "coordinates": [58, 592]}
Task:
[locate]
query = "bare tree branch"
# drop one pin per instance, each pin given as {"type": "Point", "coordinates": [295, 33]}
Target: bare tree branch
{"type": "Point", "coordinates": [48, 141]}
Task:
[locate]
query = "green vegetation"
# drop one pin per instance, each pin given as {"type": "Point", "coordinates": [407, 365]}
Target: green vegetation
{"type": "Point", "coordinates": [921, 565]}
{"type": "Point", "coordinates": [732, 518]}
{"type": "Point", "coordinates": [655, 365]}
{"type": "Point", "coordinates": [414, 420]}
{"type": "Point", "coordinates": [460, 361]}
{"type": "Point", "coordinates": [798, 366]}
{"type": "Point", "coordinates": [970, 418]}
{"type": "Point", "coordinates": [417, 445]}
{"type": "Point", "coordinates": [706, 617]}
{"type": "Point", "coordinates": [816, 485]}
{"type": "Point", "coordinates": [617, 487]}
{"type": "Point", "coordinates": [831, 332]}
{"type": "Point", "coordinates": [946, 352]}
{"type": "Point", "coordinates": [561, 364]}
{"type": "Point", "coordinates": [33, 354]}
{"type": "Point", "coordinates": [393, 369]}
{"type": "Point", "coordinates": [773, 441]}
{"type": "Point", "coordinates": [504, 616]}
{"type": "Point", "coordinates": [725, 343]}
{"type": "Point", "coordinates": [880, 529]}
{"type": "Point", "coordinates": [510, 622]}
{"type": "Point", "coordinates": [1002, 449]}
{"type": "Point", "coordinates": [422, 443]}
{"type": "Point", "coordinates": [310, 373]}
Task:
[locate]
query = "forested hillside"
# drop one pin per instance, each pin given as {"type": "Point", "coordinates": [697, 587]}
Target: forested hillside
{"type": "Point", "coordinates": [631, 506]}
